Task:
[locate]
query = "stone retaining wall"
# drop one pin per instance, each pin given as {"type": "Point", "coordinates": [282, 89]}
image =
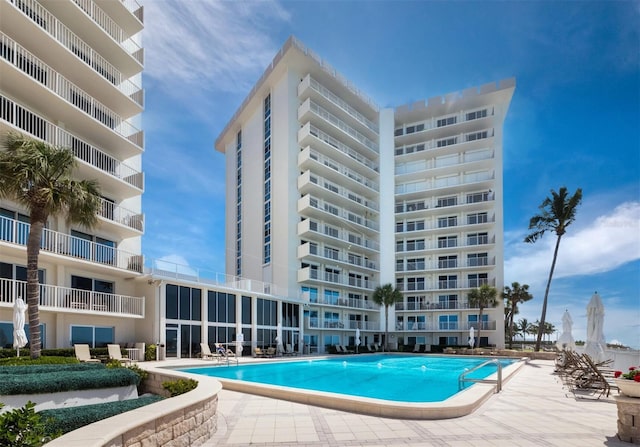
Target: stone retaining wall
{"type": "Point", "coordinates": [186, 420]}
{"type": "Point", "coordinates": [628, 419]}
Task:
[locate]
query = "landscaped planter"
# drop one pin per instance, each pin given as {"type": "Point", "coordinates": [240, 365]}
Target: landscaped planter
{"type": "Point", "coordinates": [629, 388]}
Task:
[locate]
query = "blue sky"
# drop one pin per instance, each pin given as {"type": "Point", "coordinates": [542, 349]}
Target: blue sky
{"type": "Point", "coordinates": [574, 120]}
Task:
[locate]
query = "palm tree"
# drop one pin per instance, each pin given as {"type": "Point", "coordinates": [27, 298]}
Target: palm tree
{"type": "Point", "coordinates": [481, 298]}
{"type": "Point", "coordinates": [557, 213]}
{"type": "Point", "coordinates": [386, 296]}
{"type": "Point", "coordinates": [39, 176]}
{"type": "Point", "coordinates": [513, 296]}
{"type": "Point", "coordinates": [523, 327]}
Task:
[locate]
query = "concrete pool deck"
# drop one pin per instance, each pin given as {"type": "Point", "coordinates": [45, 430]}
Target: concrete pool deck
{"type": "Point", "coordinates": [533, 409]}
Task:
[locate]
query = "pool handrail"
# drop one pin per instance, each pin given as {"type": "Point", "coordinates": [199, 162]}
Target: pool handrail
{"type": "Point", "coordinates": [498, 381]}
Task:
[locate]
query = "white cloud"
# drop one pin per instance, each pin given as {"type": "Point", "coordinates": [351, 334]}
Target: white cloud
{"type": "Point", "coordinates": [607, 242]}
{"type": "Point", "coordinates": [210, 45]}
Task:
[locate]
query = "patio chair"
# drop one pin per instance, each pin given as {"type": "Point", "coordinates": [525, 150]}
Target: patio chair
{"type": "Point", "coordinates": [289, 350]}
{"type": "Point", "coordinates": [340, 349]}
{"type": "Point", "coordinates": [345, 350]}
{"type": "Point", "coordinates": [271, 351]}
{"type": "Point", "coordinates": [259, 352]}
{"type": "Point", "coordinates": [417, 347]}
{"type": "Point", "coordinates": [115, 353]}
{"type": "Point", "coordinates": [205, 352]}
{"type": "Point", "coordinates": [83, 354]}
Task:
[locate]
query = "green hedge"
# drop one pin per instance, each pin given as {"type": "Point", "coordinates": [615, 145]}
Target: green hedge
{"type": "Point", "coordinates": [62, 352]}
{"type": "Point", "coordinates": [53, 379]}
{"type": "Point", "coordinates": [46, 369]}
{"type": "Point", "coordinates": [72, 418]}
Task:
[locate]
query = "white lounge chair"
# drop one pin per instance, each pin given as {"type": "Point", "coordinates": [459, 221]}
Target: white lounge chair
{"type": "Point", "coordinates": [417, 347]}
{"type": "Point", "coordinates": [83, 354]}
{"type": "Point", "coordinates": [206, 354]}
{"type": "Point", "coordinates": [115, 353]}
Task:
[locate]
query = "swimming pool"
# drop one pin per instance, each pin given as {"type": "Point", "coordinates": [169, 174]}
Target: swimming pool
{"type": "Point", "coordinates": [396, 385]}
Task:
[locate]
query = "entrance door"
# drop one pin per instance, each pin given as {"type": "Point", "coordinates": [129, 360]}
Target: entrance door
{"type": "Point", "coordinates": [171, 337]}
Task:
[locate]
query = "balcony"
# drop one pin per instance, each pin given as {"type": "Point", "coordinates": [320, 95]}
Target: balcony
{"type": "Point", "coordinates": [123, 179]}
{"type": "Point", "coordinates": [309, 86]}
{"type": "Point", "coordinates": [336, 279]}
{"type": "Point", "coordinates": [120, 215]}
{"type": "Point", "coordinates": [309, 109]}
{"type": "Point", "coordinates": [52, 82]}
{"type": "Point", "coordinates": [65, 299]}
{"type": "Point", "coordinates": [441, 185]}
{"type": "Point", "coordinates": [15, 232]}
{"type": "Point", "coordinates": [348, 259]}
{"type": "Point", "coordinates": [49, 24]}
{"type": "Point", "coordinates": [448, 326]}
{"type": "Point", "coordinates": [320, 323]}
{"type": "Point", "coordinates": [313, 207]}
{"type": "Point", "coordinates": [416, 143]}
{"type": "Point", "coordinates": [321, 232]}
{"type": "Point", "coordinates": [414, 206]}
{"type": "Point", "coordinates": [309, 158]}
{"type": "Point", "coordinates": [309, 182]}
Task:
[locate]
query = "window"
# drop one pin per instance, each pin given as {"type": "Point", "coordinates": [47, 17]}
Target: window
{"type": "Point", "coordinates": [446, 121]}
{"type": "Point", "coordinates": [450, 221]}
{"type": "Point", "coordinates": [399, 265]}
{"type": "Point", "coordinates": [331, 274]}
{"type": "Point", "coordinates": [331, 296]}
{"type": "Point", "coordinates": [477, 259]}
{"type": "Point", "coordinates": [448, 322]}
{"type": "Point", "coordinates": [398, 132]}
{"type": "Point", "coordinates": [415, 244]}
{"type": "Point", "coordinates": [183, 303]}
{"type": "Point", "coordinates": [447, 142]}
{"type": "Point", "coordinates": [415, 264]}
{"type": "Point", "coordinates": [221, 307]}
{"type": "Point", "coordinates": [477, 238]}
{"type": "Point", "coordinates": [472, 320]}
{"type": "Point", "coordinates": [246, 311]}
{"type": "Point", "coordinates": [330, 340]}
{"type": "Point", "coordinates": [355, 259]}
{"type": "Point", "coordinates": [448, 301]}
{"type": "Point", "coordinates": [331, 231]}
{"type": "Point", "coordinates": [478, 197]}
{"type": "Point", "coordinates": [266, 312]}
{"type": "Point", "coordinates": [447, 241]}
{"type": "Point", "coordinates": [476, 136]}
{"type": "Point", "coordinates": [332, 320]}
{"type": "Point", "coordinates": [447, 201]}
{"type": "Point", "coordinates": [94, 336]}
{"type": "Point", "coordinates": [477, 218]}
{"type": "Point", "coordinates": [312, 293]}
{"type": "Point", "coordinates": [91, 247]}
{"type": "Point", "coordinates": [476, 115]}
{"type": "Point", "coordinates": [410, 129]}
{"type": "Point", "coordinates": [331, 253]}
{"type": "Point", "coordinates": [415, 283]}
{"type": "Point", "coordinates": [447, 262]}
{"type": "Point", "coordinates": [447, 281]}
{"type": "Point", "coordinates": [478, 279]}
{"type": "Point", "coordinates": [14, 231]}
{"type": "Point", "coordinates": [415, 225]}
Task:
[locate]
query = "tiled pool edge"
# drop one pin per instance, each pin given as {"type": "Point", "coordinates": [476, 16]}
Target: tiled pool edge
{"type": "Point", "coordinates": [186, 420]}
{"type": "Point", "coordinates": [459, 405]}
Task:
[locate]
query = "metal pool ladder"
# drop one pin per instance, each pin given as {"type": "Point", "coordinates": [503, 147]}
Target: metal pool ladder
{"type": "Point", "coordinates": [463, 377]}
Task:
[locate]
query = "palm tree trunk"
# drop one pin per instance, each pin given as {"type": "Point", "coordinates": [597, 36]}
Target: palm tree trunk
{"type": "Point", "coordinates": [386, 328]}
{"type": "Point", "coordinates": [479, 325]}
{"type": "Point", "coordinates": [546, 296]}
{"type": "Point", "coordinates": [513, 309]}
{"type": "Point", "coordinates": [33, 283]}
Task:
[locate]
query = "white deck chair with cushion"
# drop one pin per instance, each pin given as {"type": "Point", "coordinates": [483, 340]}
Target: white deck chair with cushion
{"type": "Point", "coordinates": [116, 354]}
{"type": "Point", "coordinates": [417, 347]}
{"type": "Point", "coordinates": [205, 352]}
{"type": "Point", "coordinates": [83, 354]}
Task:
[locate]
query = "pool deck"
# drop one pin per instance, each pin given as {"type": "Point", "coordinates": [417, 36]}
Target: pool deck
{"type": "Point", "coordinates": [533, 409]}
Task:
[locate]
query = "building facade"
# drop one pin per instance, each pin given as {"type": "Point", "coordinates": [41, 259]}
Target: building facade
{"type": "Point", "coordinates": [329, 197]}
{"type": "Point", "coordinates": [70, 75]}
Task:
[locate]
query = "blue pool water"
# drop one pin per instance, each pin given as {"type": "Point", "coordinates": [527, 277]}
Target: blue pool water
{"type": "Point", "coordinates": [400, 378]}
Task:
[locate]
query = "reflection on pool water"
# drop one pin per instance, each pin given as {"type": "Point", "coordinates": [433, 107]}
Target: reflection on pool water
{"type": "Point", "coordinates": [394, 377]}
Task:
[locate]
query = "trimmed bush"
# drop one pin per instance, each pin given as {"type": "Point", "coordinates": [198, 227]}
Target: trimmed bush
{"type": "Point", "coordinates": [68, 419]}
{"type": "Point", "coordinates": [150, 353]}
{"type": "Point", "coordinates": [48, 368]}
{"type": "Point", "coordinates": [179, 386]}
{"type": "Point", "coordinates": [45, 360]}
{"type": "Point", "coordinates": [56, 379]}
{"type": "Point", "coordinates": [23, 427]}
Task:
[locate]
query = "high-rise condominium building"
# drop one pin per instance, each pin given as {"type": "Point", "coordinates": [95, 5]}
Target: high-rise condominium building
{"type": "Point", "coordinates": [329, 197]}
{"type": "Point", "coordinates": [70, 74]}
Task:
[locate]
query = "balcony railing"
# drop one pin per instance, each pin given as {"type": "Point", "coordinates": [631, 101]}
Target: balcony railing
{"type": "Point", "coordinates": [442, 305]}
{"type": "Point", "coordinates": [134, 7]}
{"type": "Point", "coordinates": [338, 167]}
{"type": "Point", "coordinates": [17, 232]}
{"type": "Point", "coordinates": [58, 298]}
{"type": "Point", "coordinates": [111, 28]}
{"type": "Point", "coordinates": [448, 326]}
{"type": "Point", "coordinates": [57, 30]}
{"type": "Point", "coordinates": [317, 323]}
{"type": "Point", "coordinates": [330, 208]}
{"type": "Point", "coordinates": [328, 185]}
{"type": "Point", "coordinates": [312, 249]}
{"type": "Point", "coordinates": [38, 127]}
{"type": "Point", "coordinates": [307, 273]}
{"type": "Point", "coordinates": [427, 204]}
{"type": "Point", "coordinates": [26, 62]}
{"type": "Point", "coordinates": [121, 215]}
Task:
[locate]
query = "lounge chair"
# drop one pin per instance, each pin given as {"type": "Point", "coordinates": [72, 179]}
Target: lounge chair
{"type": "Point", "coordinates": [340, 349]}
{"type": "Point", "coordinates": [417, 347]}
{"type": "Point", "coordinates": [115, 353]}
{"type": "Point", "coordinates": [205, 352]}
{"type": "Point", "coordinates": [271, 351]}
{"type": "Point", "coordinates": [84, 355]}
{"type": "Point", "coordinates": [289, 350]}
{"type": "Point", "coordinates": [259, 352]}
{"type": "Point", "coordinates": [345, 350]}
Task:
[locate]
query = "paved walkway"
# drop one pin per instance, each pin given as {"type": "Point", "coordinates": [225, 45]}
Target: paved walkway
{"type": "Point", "coordinates": [533, 409]}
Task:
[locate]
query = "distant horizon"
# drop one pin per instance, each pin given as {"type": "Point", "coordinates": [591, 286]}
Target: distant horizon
{"type": "Point", "coordinates": [571, 120]}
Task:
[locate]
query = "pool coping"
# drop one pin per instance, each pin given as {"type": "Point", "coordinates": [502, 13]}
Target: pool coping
{"type": "Point", "coordinates": [461, 404]}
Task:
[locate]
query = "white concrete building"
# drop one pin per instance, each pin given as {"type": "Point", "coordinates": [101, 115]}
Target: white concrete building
{"type": "Point", "coordinates": [329, 197]}
{"type": "Point", "coordinates": [70, 74]}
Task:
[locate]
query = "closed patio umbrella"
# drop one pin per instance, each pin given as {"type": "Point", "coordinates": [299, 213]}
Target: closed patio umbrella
{"type": "Point", "coordinates": [472, 338]}
{"type": "Point", "coordinates": [357, 338]}
{"type": "Point", "coordinates": [566, 340]}
{"type": "Point", "coordinates": [596, 344]}
{"type": "Point", "coordinates": [19, 336]}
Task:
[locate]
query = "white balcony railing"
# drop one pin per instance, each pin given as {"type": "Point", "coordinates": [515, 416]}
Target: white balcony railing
{"type": "Point", "coordinates": [26, 62]}
{"type": "Point", "coordinates": [338, 234]}
{"type": "Point", "coordinates": [17, 232]}
{"type": "Point", "coordinates": [76, 300]}
{"type": "Point", "coordinates": [328, 207]}
{"type": "Point", "coordinates": [121, 215]}
{"type": "Point", "coordinates": [58, 31]}
{"type": "Point", "coordinates": [309, 153]}
{"type": "Point", "coordinates": [38, 127]}
{"type": "Point", "coordinates": [328, 185]}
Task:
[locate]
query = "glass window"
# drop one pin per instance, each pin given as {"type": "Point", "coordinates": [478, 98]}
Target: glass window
{"type": "Point", "coordinates": [171, 301]}
{"type": "Point", "coordinates": [246, 311]}
{"type": "Point", "coordinates": [94, 336]}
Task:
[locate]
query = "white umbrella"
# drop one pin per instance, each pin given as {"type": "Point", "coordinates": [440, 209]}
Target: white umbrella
{"type": "Point", "coordinates": [595, 321]}
{"type": "Point", "coordinates": [566, 340]}
{"type": "Point", "coordinates": [239, 342]}
{"type": "Point", "coordinates": [19, 336]}
{"type": "Point", "coordinates": [472, 338]}
{"type": "Point", "coordinates": [357, 338]}
{"type": "Point", "coordinates": [279, 338]}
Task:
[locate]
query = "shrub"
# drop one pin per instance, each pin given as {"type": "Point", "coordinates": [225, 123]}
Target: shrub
{"type": "Point", "coordinates": [150, 353]}
{"type": "Point", "coordinates": [179, 386]}
{"type": "Point", "coordinates": [68, 419]}
{"type": "Point", "coordinates": [23, 427]}
{"type": "Point", "coordinates": [43, 360]}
